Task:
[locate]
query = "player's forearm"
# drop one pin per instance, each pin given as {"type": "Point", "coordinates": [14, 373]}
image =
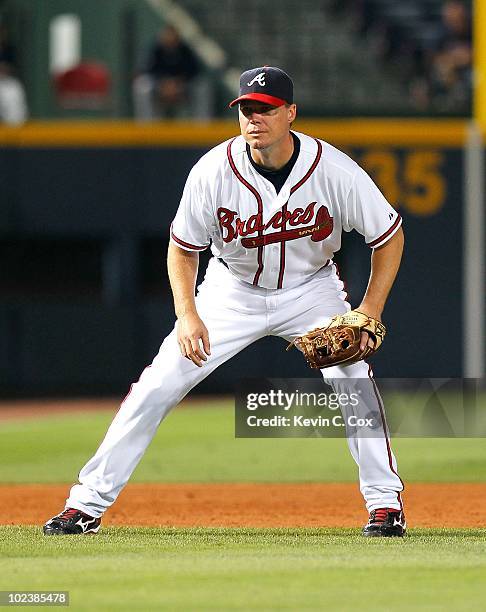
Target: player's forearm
{"type": "Point", "coordinates": [182, 268]}
{"type": "Point", "coordinates": [385, 262]}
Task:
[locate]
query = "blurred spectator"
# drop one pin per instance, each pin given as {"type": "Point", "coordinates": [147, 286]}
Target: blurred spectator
{"type": "Point", "coordinates": [446, 84]}
{"type": "Point", "coordinates": [13, 105]}
{"type": "Point", "coordinates": [164, 87]}
{"type": "Point", "coordinates": [7, 51]}
{"type": "Point", "coordinates": [456, 25]}
{"type": "Point", "coordinates": [452, 63]}
{"type": "Point", "coordinates": [433, 54]}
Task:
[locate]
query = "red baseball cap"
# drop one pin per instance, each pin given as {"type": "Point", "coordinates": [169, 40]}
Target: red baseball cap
{"type": "Point", "coordinates": [266, 84]}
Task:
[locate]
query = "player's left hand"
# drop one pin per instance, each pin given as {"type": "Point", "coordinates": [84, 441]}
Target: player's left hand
{"type": "Point", "coordinates": [366, 340]}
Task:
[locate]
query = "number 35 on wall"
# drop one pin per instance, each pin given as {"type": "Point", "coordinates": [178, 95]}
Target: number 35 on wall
{"type": "Point", "coordinates": [414, 182]}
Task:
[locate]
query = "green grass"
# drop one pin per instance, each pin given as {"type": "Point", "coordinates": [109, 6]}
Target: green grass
{"type": "Point", "coordinates": [238, 569]}
{"type": "Point", "coordinates": [250, 569]}
{"type": "Point", "coordinates": [198, 445]}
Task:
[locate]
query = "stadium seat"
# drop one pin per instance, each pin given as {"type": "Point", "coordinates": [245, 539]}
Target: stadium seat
{"type": "Point", "coordinates": [86, 86]}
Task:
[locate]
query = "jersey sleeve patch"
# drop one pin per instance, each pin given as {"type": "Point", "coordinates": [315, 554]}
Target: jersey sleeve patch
{"type": "Point", "coordinates": [386, 235]}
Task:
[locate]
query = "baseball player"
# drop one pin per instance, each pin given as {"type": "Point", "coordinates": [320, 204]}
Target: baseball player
{"type": "Point", "coordinates": [271, 204]}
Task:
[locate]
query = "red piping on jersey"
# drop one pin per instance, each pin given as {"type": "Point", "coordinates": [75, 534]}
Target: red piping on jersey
{"type": "Point", "coordinates": [388, 447]}
{"type": "Point", "coordinates": [282, 248]}
{"type": "Point", "coordinates": [284, 208]}
{"type": "Point", "coordinates": [387, 233]}
{"type": "Point", "coordinates": [186, 244]}
{"type": "Point", "coordinates": [311, 169]}
{"type": "Point", "coordinates": [260, 208]}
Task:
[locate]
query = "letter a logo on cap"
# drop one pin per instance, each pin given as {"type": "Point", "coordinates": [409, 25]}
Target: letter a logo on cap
{"type": "Point", "coordinates": [270, 85]}
{"type": "Point", "coordinates": [260, 78]}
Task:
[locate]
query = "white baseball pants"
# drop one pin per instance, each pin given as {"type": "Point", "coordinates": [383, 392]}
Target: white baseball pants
{"type": "Point", "coordinates": [236, 315]}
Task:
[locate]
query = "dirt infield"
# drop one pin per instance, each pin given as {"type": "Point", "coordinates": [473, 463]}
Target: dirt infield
{"type": "Point", "coordinates": [34, 409]}
{"type": "Point", "coordinates": [252, 505]}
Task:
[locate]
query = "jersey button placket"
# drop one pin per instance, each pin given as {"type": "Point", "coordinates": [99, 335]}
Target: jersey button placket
{"type": "Point", "coordinates": [272, 258]}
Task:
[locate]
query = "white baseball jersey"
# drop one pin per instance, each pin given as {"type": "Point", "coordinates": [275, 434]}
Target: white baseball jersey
{"type": "Point", "coordinates": [279, 240]}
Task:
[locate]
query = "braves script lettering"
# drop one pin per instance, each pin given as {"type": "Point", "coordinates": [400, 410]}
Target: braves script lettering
{"type": "Point", "coordinates": [232, 226]}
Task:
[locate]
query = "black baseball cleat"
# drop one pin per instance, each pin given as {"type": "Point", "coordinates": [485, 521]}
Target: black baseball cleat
{"type": "Point", "coordinates": [72, 522]}
{"type": "Point", "coordinates": [386, 523]}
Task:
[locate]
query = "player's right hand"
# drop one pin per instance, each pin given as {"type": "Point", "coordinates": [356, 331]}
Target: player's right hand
{"type": "Point", "coordinates": [191, 331]}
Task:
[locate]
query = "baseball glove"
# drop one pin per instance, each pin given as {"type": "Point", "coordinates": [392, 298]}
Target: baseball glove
{"type": "Point", "coordinates": [339, 342]}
